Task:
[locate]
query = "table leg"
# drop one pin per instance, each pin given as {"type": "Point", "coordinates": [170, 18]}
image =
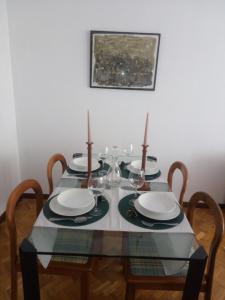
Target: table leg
{"type": "Point", "coordinates": [195, 275]}
{"type": "Point", "coordinates": [28, 261]}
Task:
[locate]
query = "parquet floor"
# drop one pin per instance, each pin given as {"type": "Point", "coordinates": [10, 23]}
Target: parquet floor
{"type": "Point", "coordinates": [107, 281]}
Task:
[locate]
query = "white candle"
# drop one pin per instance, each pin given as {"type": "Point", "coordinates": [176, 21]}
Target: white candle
{"type": "Point", "coordinates": [89, 130]}
{"type": "Point", "coordinates": [146, 130]}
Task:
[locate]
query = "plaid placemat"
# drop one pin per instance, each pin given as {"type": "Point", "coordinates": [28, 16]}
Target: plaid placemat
{"type": "Point", "coordinates": [129, 213]}
{"type": "Point", "coordinates": [74, 241]}
{"type": "Point", "coordinates": [137, 242]}
{"type": "Point", "coordinates": [70, 259]}
{"type": "Point", "coordinates": [153, 267]}
{"type": "Point", "coordinates": [146, 267]}
{"type": "Point", "coordinates": [103, 205]}
{"type": "Point", "coordinates": [140, 266]}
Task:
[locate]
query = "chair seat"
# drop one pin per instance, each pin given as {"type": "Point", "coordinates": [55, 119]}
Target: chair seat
{"type": "Point", "coordinates": [71, 259]}
{"type": "Point", "coordinates": [152, 267]}
{"type": "Point", "coordinates": [83, 242]}
{"type": "Point", "coordinates": [65, 258]}
{"type": "Point", "coordinates": [148, 267]}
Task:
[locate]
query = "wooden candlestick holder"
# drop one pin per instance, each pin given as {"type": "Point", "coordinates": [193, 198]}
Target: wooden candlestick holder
{"type": "Point", "coordinates": [84, 183]}
{"type": "Point", "coordinates": [144, 152]}
{"type": "Point", "coordinates": [146, 185]}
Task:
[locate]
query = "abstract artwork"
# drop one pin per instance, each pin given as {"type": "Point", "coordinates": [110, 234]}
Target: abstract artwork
{"type": "Point", "coordinates": [124, 60]}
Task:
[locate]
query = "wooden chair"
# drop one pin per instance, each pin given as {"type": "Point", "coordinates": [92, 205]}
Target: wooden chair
{"type": "Point", "coordinates": [178, 165]}
{"type": "Point", "coordinates": [59, 265]}
{"type": "Point", "coordinates": [145, 278]}
{"type": "Point", "coordinates": [51, 163]}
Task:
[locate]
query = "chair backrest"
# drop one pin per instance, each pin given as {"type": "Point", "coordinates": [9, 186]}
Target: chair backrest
{"type": "Point", "coordinates": [178, 165]}
{"type": "Point", "coordinates": [52, 161]}
{"type": "Point", "coordinates": [14, 197]}
{"type": "Point", "coordinates": [218, 233]}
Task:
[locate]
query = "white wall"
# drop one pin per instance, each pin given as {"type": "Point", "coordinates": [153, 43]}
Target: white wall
{"type": "Point", "coordinates": [9, 164]}
{"type": "Point", "coordinates": [50, 59]}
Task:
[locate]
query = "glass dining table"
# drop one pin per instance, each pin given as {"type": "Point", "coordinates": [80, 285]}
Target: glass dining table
{"type": "Point", "coordinates": [116, 234]}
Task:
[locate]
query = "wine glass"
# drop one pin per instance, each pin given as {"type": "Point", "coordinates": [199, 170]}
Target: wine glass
{"type": "Point", "coordinates": [129, 150]}
{"type": "Point", "coordinates": [136, 180]}
{"type": "Point", "coordinates": [114, 176]}
{"type": "Point", "coordinates": [115, 152]}
{"type": "Point", "coordinates": [96, 185]}
{"type": "Point", "coordinates": [103, 155]}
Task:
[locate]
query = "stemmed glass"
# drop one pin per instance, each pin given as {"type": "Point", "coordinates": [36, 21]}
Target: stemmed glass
{"type": "Point", "coordinates": [136, 180]}
{"type": "Point", "coordinates": [129, 150]}
{"type": "Point", "coordinates": [115, 152]}
{"type": "Point", "coordinates": [96, 185]}
{"type": "Point", "coordinates": [114, 176]}
{"type": "Point", "coordinates": [103, 155]}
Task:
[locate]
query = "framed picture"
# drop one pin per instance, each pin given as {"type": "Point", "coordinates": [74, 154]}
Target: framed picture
{"type": "Point", "coordinates": [124, 60]}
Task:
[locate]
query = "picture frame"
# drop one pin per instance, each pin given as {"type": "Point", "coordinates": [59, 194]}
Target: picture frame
{"type": "Point", "coordinates": [123, 60]}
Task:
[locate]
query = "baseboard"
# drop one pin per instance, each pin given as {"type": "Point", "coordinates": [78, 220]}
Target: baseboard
{"type": "Point", "coordinates": [2, 217]}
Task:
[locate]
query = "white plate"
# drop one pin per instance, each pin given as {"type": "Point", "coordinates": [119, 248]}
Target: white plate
{"type": "Point", "coordinates": [158, 202]}
{"type": "Point", "coordinates": [60, 210]}
{"type": "Point", "coordinates": [151, 167]}
{"type": "Point", "coordinates": [75, 199]}
{"type": "Point", "coordinates": [81, 164]}
{"type": "Point", "coordinates": [158, 205]}
{"type": "Point", "coordinates": [147, 214]}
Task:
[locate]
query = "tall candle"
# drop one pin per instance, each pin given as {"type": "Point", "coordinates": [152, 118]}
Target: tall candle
{"type": "Point", "coordinates": [146, 130]}
{"type": "Point", "coordinates": [89, 130]}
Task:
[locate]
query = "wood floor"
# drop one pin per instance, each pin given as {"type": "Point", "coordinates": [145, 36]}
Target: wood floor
{"type": "Point", "coordinates": [107, 281]}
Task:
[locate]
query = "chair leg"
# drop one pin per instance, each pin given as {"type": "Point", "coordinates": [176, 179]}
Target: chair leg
{"type": "Point", "coordinates": [208, 290]}
{"type": "Point", "coordinates": [207, 295]}
{"type": "Point", "coordinates": [130, 292]}
{"type": "Point", "coordinates": [84, 286]}
{"type": "Point", "coordinates": [14, 286]}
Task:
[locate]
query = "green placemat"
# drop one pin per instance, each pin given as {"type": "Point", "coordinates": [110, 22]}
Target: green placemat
{"type": "Point", "coordinates": [103, 204]}
{"type": "Point", "coordinates": [125, 172]}
{"type": "Point", "coordinates": [106, 167]}
{"type": "Point", "coordinates": [129, 213]}
{"type": "Point", "coordinates": [149, 157]}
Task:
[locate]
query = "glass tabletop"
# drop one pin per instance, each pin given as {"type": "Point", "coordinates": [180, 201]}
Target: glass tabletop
{"type": "Point", "coordinates": [64, 241]}
{"type": "Point", "coordinates": [86, 242]}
